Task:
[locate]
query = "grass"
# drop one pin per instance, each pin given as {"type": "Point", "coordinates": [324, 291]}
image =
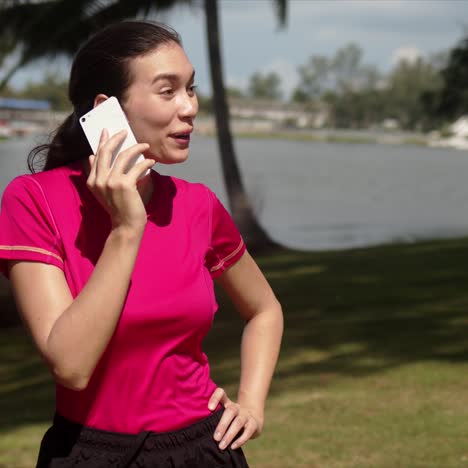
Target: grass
{"type": "Point", "coordinates": [372, 373]}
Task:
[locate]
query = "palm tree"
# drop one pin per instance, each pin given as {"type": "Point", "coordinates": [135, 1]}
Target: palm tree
{"type": "Point", "coordinates": [52, 27]}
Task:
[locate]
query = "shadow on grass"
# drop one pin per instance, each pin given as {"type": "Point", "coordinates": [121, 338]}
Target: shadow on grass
{"type": "Point", "coordinates": [347, 314]}
{"type": "Point", "coordinates": [359, 312]}
{"type": "Point", "coordinates": [26, 389]}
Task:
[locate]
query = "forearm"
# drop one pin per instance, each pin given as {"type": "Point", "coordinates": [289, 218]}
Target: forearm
{"type": "Point", "coordinates": [259, 353]}
{"type": "Point", "coordinates": [81, 333]}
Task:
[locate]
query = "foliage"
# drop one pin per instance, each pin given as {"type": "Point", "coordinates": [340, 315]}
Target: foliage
{"type": "Point", "coordinates": [265, 86]}
{"type": "Point", "coordinates": [341, 73]}
{"type": "Point", "coordinates": [356, 95]}
{"type": "Point", "coordinates": [407, 84]}
{"type": "Point", "coordinates": [234, 92]}
{"type": "Point", "coordinates": [453, 97]}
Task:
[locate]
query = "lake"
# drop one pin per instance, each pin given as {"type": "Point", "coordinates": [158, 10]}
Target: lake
{"type": "Point", "coordinates": [327, 195]}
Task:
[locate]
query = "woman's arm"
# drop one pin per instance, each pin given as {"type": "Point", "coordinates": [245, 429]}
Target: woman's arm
{"type": "Point", "coordinates": [72, 334]}
{"type": "Point", "coordinates": [257, 304]}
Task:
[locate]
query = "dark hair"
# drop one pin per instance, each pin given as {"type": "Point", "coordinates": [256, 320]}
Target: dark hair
{"type": "Point", "coordinates": [101, 65]}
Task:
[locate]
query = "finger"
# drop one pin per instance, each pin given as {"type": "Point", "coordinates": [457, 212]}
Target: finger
{"type": "Point", "coordinates": [234, 428]}
{"type": "Point", "coordinates": [102, 139]}
{"type": "Point", "coordinates": [216, 398]}
{"type": "Point", "coordinates": [124, 160]}
{"type": "Point", "coordinates": [106, 149]}
{"type": "Point", "coordinates": [228, 416]}
{"type": "Point", "coordinates": [92, 169]}
{"type": "Point", "coordinates": [250, 428]}
{"type": "Point", "coordinates": [139, 169]}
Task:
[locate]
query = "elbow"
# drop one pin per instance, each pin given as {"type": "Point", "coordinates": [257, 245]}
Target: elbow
{"type": "Point", "coordinates": [276, 317]}
{"type": "Point", "coordinates": [67, 370]}
{"type": "Point", "coordinates": [73, 380]}
{"type": "Point", "coordinates": [276, 310]}
{"type": "Point", "coordinates": [280, 316]}
{"type": "Point", "coordinates": [271, 314]}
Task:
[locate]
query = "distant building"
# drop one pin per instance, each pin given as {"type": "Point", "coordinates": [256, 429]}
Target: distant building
{"type": "Point", "coordinates": [24, 104]}
{"type": "Point", "coordinates": [276, 113]}
{"type": "Point", "coordinates": [24, 116]}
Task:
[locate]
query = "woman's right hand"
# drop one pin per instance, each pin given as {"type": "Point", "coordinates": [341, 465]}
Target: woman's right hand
{"type": "Point", "coordinates": [116, 189]}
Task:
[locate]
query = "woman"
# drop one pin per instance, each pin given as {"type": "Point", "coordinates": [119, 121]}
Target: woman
{"type": "Point", "coordinates": [112, 273]}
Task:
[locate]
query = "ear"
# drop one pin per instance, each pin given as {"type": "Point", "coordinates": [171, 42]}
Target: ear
{"type": "Point", "coordinates": [99, 99]}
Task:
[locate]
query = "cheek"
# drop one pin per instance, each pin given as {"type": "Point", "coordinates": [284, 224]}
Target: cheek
{"type": "Point", "coordinates": [148, 130]}
{"type": "Point", "coordinates": [150, 121]}
{"type": "Point", "coordinates": [145, 117]}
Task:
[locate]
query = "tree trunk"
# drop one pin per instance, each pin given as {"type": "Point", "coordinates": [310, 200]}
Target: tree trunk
{"type": "Point", "coordinates": [241, 209]}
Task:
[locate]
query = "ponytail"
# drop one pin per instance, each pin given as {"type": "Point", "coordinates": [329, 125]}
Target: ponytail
{"type": "Point", "coordinates": [67, 145]}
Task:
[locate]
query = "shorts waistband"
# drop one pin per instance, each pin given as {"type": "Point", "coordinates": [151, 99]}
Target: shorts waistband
{"type": "Point", "coordinates": [118, 442]}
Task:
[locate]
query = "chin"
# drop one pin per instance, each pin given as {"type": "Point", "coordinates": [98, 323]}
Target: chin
{"type": "Point", "coordinates": [171, 158]}
{"type": "Point", "coordinates": [176, 157]}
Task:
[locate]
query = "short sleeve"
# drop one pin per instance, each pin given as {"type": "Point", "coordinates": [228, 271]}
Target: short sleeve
{"type": "Point", "coordinates": [226, 244]}
{"type": "Point", "coordinates": [27, 227]}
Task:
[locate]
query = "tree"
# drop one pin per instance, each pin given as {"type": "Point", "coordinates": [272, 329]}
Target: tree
{"type": "Point", "coordinates": [265, 86]}
{"type": "Point", "coordinates": [407, 85]}
{"type": "Point", "coordinates": [52, 27]}
{"type": "Point", "coordinates": [313, 79]}
{"type": "Point", "coordinates": [234, 92]}
{"type": "Point", "coordinates": [338, 74]}
{"type": "Point", "coordinates": [453, 96]}
{"type": "Point", "coordinates": [342, 84]}
{"type": "Point", "coordinates": [347, 71]}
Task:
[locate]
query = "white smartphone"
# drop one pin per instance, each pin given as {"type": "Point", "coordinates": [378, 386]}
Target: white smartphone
{"type": "Point", "coordinates": [110, 115]}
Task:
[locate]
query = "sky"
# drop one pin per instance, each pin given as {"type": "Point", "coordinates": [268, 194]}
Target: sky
{"type": "Point", "coordinates": [385, 30]}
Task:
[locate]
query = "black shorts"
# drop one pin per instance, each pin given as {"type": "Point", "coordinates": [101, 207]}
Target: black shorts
{"type": "Point", "coordinates": [68, 444]}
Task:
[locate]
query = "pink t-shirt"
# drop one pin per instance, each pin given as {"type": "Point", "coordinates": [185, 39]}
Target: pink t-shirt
{"type": "Point", "coordinates": [153, 374]}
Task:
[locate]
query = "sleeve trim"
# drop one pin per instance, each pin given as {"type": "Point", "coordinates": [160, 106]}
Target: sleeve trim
{"type": "Point", "coordinates": [225, 259]}
{"type": "Point", "coordinates": [30, 249]}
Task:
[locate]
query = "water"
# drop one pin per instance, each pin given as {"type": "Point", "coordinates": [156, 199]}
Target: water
{"type": "Point", "coordinates": [328, 195]}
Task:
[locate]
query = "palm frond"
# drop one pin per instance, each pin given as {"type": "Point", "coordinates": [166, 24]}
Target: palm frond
{"type": "Point", "coordinates": [281, 7]}
{"type": "Point", "coordinates": [53, 27]}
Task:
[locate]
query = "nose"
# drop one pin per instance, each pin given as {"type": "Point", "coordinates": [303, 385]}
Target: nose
{"type": "Point", "coordinates": [188, 106]}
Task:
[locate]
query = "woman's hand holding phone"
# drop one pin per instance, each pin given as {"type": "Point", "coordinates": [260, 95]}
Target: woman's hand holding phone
{"type": "Point", "coordinates": [115, 186]}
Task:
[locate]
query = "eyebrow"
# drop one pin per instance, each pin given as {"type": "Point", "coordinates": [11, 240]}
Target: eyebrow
{"type": "Point", "coordinates": [171, 77]}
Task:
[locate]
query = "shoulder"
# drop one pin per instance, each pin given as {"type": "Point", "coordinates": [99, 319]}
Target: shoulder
{"type": "Point", "coordinates": [39, 182]}
{"type": "Point", "coordinates": [22, 187]}
{"type": "Point", "coordinates": [38, 191]}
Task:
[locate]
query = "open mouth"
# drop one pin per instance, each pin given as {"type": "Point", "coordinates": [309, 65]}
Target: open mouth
{"type": "Point", "coordinates": [182, 136]}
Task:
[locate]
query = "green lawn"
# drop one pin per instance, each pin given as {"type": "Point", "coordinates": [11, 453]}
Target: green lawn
{"type": "Point", "coordinates": [373, 370]}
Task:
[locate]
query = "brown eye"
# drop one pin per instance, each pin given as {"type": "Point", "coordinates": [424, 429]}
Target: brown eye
{"type": "Point", "coordinates": [192, 89]}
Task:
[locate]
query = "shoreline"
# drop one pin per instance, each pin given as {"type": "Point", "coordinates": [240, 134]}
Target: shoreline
{"type": "Point", "coordinates": [326, 136]}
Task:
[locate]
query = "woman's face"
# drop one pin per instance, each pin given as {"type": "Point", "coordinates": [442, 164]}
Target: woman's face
{"type": "Point", "coordinates": [161, 103]}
